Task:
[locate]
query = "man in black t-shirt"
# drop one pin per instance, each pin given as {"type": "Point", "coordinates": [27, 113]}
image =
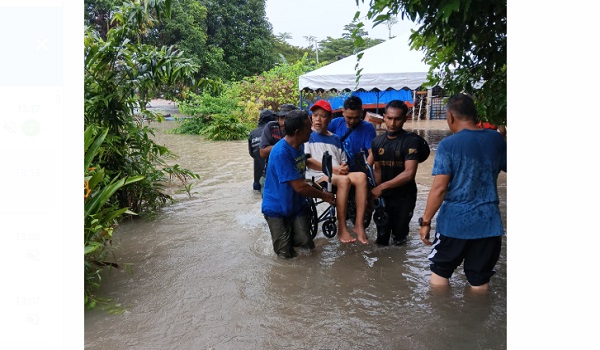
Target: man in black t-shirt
{"type": "Point", "coordinates": [395, 162]}
{"type": "Point", "coordinates": [253, 146]}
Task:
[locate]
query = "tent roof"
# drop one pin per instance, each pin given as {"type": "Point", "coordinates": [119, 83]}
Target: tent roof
{"type": "Point", "coordinates": [390, 64]}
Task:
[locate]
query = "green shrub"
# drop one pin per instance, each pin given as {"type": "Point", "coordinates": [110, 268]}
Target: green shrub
{"type": "Point", "coordinates": [226, 128]}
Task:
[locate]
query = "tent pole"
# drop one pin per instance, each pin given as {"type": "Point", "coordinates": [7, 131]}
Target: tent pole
{"type": "Point", "coordinates": [414, 100]}
{"type": "Point", "coordinates": [300, 100]}
{"type": "Point", "coordinates": [428, 106]}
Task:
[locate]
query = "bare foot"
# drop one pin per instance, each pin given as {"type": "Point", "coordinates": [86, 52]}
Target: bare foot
{"type": "Point", "coordinates": [362, 236]}
{"type": "Point", "coordinates": [345, 237]}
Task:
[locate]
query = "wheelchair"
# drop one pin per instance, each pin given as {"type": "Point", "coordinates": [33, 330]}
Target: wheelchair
{"type": "Point", "coordinates": [327, 215]}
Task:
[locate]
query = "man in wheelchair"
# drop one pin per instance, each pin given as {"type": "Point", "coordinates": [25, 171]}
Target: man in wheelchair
{"type": "Point", "coordinates": [321, 140]}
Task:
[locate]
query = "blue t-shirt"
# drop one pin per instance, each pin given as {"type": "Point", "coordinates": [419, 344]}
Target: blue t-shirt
{"type": "Point", "coordinates": [285, 164]}
{"type": "Point", "coordinates": [473, 159]}
{"type": "Point", "coordinates": [358, 140]}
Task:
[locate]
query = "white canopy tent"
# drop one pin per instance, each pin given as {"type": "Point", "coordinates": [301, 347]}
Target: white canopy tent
{"type": "Point", "coordinates": [390, 64]}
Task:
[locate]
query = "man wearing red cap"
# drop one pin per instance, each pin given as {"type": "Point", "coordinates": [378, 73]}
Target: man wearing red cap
{"type": "Point", "coordinates": [321, 140]}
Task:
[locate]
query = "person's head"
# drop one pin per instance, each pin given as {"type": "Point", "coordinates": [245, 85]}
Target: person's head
{"type": "Point", "coordinates": [395, 115]}
{"type": "Point", "coordinates": [460, 110]}
{"type": "Point", "coordinates": [283, 111]}
{"type": "Point", "coordinates": [297, 124]}
{"type": "Point", "coordinates": [353, 112]}
{"type": "Point", "coordinates": [266, 116]}
{"type": "Point", "coordinates": [321, 115]}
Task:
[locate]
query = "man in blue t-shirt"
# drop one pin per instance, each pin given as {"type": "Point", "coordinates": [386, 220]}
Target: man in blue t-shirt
{"type": "Point", "coordinates": [284, 204]}
{"type": "Point", "coordinates": [357, 140]}
{"type": "Point", "coordinates": [273, 131]}
{"type": "Point", "coordinates": [469, 224]}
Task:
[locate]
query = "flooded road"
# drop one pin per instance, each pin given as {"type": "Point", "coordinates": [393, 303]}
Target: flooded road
{"type": "Point", "coordinates": [203, 275]}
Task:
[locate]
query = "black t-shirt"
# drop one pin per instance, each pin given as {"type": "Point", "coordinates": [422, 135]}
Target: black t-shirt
{"type": "Point", "coordinates": [271, 134]}
{"type": "Point", "coordinates": [254, 141]}
{"type": "Point", "coordinates": [391, 154]}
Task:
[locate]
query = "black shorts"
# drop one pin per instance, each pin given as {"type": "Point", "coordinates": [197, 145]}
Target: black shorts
{"type": "Point", "coordinates": [479, 256]}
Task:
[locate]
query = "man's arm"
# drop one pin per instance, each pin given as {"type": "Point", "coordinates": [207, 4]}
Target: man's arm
{"type": "Point", "coordinates": [437, 193]}
{"type": "Point", "coordinates": [264, 152]}
{"type": "Point", "coordinates": [408, 175]}
{"type": "Point", "coordinates": [265, 145]}
{"type": "Point", "coordinates": [368, 146]}
{"type": "Point", "coordinates": [370, 159]}
{"type": "Point", "coordinates": [313, 164]}
{"type": "Point", "coordinates": [306, 190]}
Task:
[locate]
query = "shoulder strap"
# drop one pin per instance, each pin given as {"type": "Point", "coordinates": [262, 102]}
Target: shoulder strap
{"type": "Point", "coordinates": [350, 130]}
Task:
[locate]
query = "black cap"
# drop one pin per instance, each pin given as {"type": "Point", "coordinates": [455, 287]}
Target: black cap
{"type": "Point", "coordinates": [285, 109]}
{"type": "Point", "coordinates": [266, 116]}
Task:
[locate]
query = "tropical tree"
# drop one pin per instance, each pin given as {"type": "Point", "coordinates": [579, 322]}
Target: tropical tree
{"type": "Point", "coordinates": [313, 45]}
{"type": "Point", "coordinates": [463, 40]}
{"type": "Point", "coordinates": [389, 23]}
{"type": "Point", "coordinates": [241, 30]}
{"type": "Point", "coordinates": [335, 49]}
{"type": "Point", "coordinates": [186, 30]}
{"type": "Point", "coordinates": [286, 53]}
{"type": "Point", "coordinates": [226, 40]}
{"type": "Point", "coordinates": [98, 13]}
{"type": "Point", "coordinates": [284, 36]}
{"type": "Point", "coordinates": [121, 76]}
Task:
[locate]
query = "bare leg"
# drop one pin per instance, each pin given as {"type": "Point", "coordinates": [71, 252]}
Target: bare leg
{"type": "Point", "coordinates": [438, 281]}
{"type": "Point", "coordinates": [342, 183]}
{"type": "Point", "coordinates": [359, 181]}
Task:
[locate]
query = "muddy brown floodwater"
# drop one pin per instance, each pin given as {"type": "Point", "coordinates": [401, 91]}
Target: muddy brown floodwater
{"type": "Point", "coordinates": [203, 275]}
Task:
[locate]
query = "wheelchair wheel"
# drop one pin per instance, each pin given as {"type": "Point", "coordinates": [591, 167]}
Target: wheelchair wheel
{"type": "Point", "coordinates": [314, 218]}
{"type": "Point", "coordinates": [329, 228]}
{"type": "Point", "coordinates": [380, 217]}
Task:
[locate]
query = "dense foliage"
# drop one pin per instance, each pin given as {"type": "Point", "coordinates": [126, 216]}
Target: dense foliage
{"type": "Point", "coordinates": [241, 29]}
{"type": "Point", "coordinates": [226, 40]}
{"type": "Point", "coordinates": [464, 39]}
{"type": "Point", "coordinates": [231, 114]}
{"type": "Point", "coordinates": [124, 167]}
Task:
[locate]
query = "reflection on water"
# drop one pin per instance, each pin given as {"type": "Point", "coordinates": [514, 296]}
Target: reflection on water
{"type": "Point", "coordinates": [433, 137]}
{"type": "Point", "coordinates": [205, 277]}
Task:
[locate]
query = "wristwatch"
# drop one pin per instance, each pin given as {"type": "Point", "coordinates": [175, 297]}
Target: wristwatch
{"type": "Point", "coordinates": [424, 223]}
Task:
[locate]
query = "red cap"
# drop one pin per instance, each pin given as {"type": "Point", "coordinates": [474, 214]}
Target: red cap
{"type": "Point", "coordinates": [323, 104]}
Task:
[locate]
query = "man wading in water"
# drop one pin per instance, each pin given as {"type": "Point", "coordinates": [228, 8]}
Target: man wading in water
{"type": "Point", "coordinates": [284, 204]}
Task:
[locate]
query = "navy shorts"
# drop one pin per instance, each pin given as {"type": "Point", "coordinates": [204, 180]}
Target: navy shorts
{"type": "Point", "coordinates": [479, 256]}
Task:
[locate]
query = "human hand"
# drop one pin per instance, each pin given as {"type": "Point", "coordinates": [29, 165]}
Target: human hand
{"type": "Point", "coordinates": [424, 233]}
{"type": "Point", "coordinates": [329, 198]}
{"type": "Point", "coordinates": [344, 169]}
{"type": "Point", "coordinates": [376, 192]}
